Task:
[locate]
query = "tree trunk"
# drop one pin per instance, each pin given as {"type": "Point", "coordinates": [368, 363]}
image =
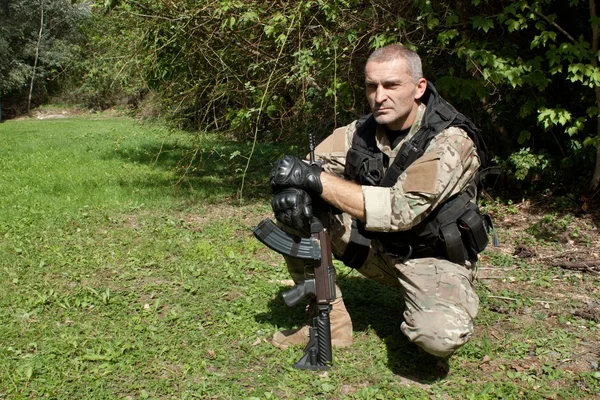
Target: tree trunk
{"type": "Point", "coordinates": [37, 53]}
{"type": "Point", "coordinates": [595, 183]}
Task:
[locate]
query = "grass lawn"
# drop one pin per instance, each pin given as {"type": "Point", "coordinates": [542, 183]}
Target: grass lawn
{"type": "Point", "coordinates": [129, 271]}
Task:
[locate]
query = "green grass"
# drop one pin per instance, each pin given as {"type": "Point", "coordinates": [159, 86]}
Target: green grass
{"type": "Point", "coordinates": [129, 271]}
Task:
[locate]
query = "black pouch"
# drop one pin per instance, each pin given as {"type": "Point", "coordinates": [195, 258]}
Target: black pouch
{"type": "Point", "coordinates": [372, 171]}
{"type": "Point", "coordinates": [354, 161]}
{"type": "Point", "coordinates": [451, 243]}
{"type": "Point", "coordinates": [364, 169]}
{"type": "Point", "coordinates": [473, 232]}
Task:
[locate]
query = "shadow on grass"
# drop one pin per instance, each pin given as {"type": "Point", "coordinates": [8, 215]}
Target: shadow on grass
{"type": "Point", "coordinates": [376, 307]}
{"type": "Point", "coordinates": [214, 170]}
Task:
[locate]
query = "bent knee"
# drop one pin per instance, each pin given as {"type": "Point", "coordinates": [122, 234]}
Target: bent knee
{"type": "Point", "coordinates": [440, 334]}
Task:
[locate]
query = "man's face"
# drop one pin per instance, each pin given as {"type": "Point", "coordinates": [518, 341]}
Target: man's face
{"type": "Point", "coordinates": [392, 93]}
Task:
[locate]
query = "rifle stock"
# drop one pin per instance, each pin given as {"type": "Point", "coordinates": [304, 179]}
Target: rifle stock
{"type": "Point", "coordinates": [318, 353]}
{"type": "Point", "coordinates": [320, 286]}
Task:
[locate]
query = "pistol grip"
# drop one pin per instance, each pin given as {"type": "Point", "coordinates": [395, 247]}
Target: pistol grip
{"type": "Point", "coordinates": [303, 290]}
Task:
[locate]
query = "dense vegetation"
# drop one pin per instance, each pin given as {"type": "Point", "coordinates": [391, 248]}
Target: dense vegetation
{"type": "Point", "coordinates": [526, 71]}
{"type": "Point", "coordinates": [37, 45]}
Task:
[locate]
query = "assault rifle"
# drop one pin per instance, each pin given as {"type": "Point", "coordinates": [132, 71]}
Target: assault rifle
{"type": "Point", "coordinates": [321, 285]}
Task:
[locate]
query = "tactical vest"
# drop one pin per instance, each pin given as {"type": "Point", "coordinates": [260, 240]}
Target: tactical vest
{"type": "Point", "coordinates": [456, 230]}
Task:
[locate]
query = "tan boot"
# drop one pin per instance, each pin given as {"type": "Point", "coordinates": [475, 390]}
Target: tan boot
{"type": "Point", "coordinates": [340, 323]}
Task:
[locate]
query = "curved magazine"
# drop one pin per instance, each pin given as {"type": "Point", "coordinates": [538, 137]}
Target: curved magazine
{"type": "Point", "coordinates": [286, 243]}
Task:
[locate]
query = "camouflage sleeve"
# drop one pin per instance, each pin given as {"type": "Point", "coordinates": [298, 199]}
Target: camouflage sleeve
{"type": "Point", "coordinates": [332, 151]}
{"type": "Point", "coordinates": [446, 168]}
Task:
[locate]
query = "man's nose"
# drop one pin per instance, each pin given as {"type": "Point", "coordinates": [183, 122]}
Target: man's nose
{"type": "Point", "coordinates": [380, 94]}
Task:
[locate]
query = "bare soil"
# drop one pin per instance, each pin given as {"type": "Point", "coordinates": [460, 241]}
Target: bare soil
{"type": "Point", "coordinates": [544, 278]}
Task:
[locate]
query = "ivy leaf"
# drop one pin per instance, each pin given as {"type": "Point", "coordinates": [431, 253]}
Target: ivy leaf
{"type": "Point", "coordinates": [516, 24]}
{"type": "Point", "coordinates": [527, 108]}
{"type": "Point", "coordinates": [445, 37]}
{"type": "Point", "coordinates": [576, 72]}
{"type": "Point", "coordinates": [451, 19]}
{"type": "Point", "coordinates": [432, 23]}
{"type": "Point", "coordinates": [524, 136]}
{"type": "Point", "coordinates": [269, 30]}
{"type": "Point", "coordinates": [485, 24]}
{"type": "Point", "coordinates": [577, 126]}
{"type": "Point", "coordinates": [550, 117]}
{"type": "Point", "coordinates": [590, 141]}
{"type": "Point", "coordinates": [553, 57]}
{"type": "Point", "coordinates": [542, 39]}
{"type": "Point", "coordinates": [249, 16]}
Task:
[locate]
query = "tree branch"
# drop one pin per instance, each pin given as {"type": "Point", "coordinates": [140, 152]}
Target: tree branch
{"type": "Point", "coordinates": [37, 54]}
{"type": "Point", "coordinates": [554, 24]}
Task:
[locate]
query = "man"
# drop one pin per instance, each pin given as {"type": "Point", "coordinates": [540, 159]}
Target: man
{"type": "Point", "coordinates": [404, 179]}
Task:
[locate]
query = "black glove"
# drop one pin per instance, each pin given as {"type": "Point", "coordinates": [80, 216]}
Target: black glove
{"type": "Point", "coordinates": [292, 207]}
{"type": "Point", "coordinates": [290, 171]}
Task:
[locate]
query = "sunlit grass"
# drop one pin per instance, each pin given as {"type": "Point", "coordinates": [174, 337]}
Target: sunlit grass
{"type": "Point", "coordinates": [129, 271]}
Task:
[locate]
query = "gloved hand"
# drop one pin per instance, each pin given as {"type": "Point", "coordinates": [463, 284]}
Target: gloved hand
{"type": "Point", "coordinates": [291, 171]}
{"type": "Point", "coordinates": [292, 207]}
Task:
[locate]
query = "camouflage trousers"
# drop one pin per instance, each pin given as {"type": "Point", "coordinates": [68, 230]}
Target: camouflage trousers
{"type": "Point", "coordinates": [440, 302]}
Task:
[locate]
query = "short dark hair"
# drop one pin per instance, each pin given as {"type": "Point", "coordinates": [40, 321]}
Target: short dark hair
{"type": "Point", "coordinates": [392, 52]}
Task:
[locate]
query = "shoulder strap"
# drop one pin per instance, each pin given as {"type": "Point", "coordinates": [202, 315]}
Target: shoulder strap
{"type": "Point", "coordinates": [362, 137]}
{"type": "Point", "coordinates": [439, 115]}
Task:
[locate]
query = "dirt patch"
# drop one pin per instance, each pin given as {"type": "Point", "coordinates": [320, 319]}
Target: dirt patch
{"type": "Point", "coordinates": [538, 234]}
{"type": "Point", "coordinates": [61, 112]}
{"type": "Point", "coordinates": [247, 214]}
{"type": "Point", "coordinates": [541, 292]}
{"type": "Point", "coordinates": [52, 113]}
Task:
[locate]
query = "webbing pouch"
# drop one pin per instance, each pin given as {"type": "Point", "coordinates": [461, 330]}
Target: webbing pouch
{"type": "Point", "coordinates": [451, 242]}
{"type": "Point", "coordinates": [364, 169]}
{"type": "Point", "coordinates": [354, 161]}
{"type": "Point", "coordinates": [473, 231]}
{"type": "Point", "coordinates": [372, 171]}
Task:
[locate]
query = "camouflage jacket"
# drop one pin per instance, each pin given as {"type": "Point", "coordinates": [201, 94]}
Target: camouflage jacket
{"type": "Point", "coordinates": [447, 167]}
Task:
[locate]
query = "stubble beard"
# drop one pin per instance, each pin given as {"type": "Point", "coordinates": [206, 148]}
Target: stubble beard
{"type": "Point", "coordinates": [389, 119]}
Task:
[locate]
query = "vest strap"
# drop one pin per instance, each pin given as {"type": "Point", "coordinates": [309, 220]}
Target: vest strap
{"type": "Point", "coordinates": [455, 230]}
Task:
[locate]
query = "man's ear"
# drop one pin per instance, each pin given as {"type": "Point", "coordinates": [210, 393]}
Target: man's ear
{"type": "Point", "coordinates": [421, 87]}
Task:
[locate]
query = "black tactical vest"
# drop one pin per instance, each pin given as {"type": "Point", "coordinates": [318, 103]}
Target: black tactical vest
{"type": "Point", "coordinates": [366, 164]}
{"type": "Point", "coordinates": [456, 230]}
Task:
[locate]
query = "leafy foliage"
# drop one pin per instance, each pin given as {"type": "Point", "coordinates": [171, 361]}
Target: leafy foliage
{"type": "Point", "coordinates": [526, 71]}
{"type": "Point", "coordinates": [533, 67]}
{"type": "Point", "coordinates": [19, 28]}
